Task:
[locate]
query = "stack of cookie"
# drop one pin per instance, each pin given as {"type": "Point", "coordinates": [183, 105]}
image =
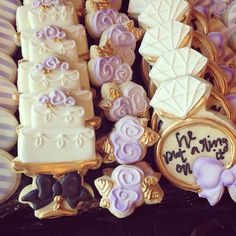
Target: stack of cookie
{"type": "Point", "coordinates": [197, 141]}
{"type": "Point", "coordinates": [9, 180]}
{"type": "Point", "coordinates": [56, 142]}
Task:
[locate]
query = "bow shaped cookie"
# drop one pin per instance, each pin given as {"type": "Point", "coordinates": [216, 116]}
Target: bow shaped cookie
{"type": "Point", "coordinates": [213, 178]}
{"type": "Point", "coordinates": [69, 187]}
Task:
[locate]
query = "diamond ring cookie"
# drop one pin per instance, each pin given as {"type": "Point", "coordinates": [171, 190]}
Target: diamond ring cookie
{"type": "Point", "coordinates": [52, 197]}
{"type": "Point", "coordinates": [163, 38]}
{"type": "Point", "coordinates": [128, 141]}
{"type": "Point", "coordinates": [128, 98]}
{"type": "Point", "coordinates": [128, 187]}
{"type": "Point", "coordinates": [9, 180]}
{"type": "Point", "coordinates": [162, 11]}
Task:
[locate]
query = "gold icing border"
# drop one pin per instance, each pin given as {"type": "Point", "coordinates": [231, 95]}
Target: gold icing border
{"type": "Point", "coordinates": [57, 169]}
{"type": "Point", "coordinates": [186, 123]}
{"type": "Point", "coordinates": [202, 20]}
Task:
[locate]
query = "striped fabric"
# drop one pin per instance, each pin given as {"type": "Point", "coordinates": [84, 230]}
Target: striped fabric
{"type": "Point", "coordinates": [8, 179]}
{"type": "Point", "coordinates": [8, 9]}
{"type": "Point", "coordinates": [8, 124]}
{"type": "Point", "coordinates": [7, 89]}
{"type": "Point", "coordinates": [8, 68]}
{"type": "Point", "coordinates": [7, 33]}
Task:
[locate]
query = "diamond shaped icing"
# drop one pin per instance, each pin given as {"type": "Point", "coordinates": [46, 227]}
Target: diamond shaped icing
{"type": "Point", "coordinates": [180, 62]}
{"type": "Point", "coordinates": [137, 6]}
{"type": "Point", "coordinates": [161, 11]}
{"type": "Point", "coordinates": [163, 38]}
{"type": "Point", "coordinates": [177, 97]}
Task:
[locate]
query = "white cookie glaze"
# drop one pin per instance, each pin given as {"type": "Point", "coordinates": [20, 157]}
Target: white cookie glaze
{"type": "Point", "coordinates": [162, 11]}
{"type": "Point", "coordinates": [136, 7]}
{"type": "Point", "coordinates": [53, 145]}
{"type": "Point", "coordinates": [163, 38]}
{"type": "Point", "coordinates": [28, 17]}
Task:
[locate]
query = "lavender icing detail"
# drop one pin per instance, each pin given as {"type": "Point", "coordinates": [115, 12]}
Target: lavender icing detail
{"type": "Point", "coordinates": [52, 63]}
{"type": "Point", "coordinates": [111, 69]}
{"type": "Point", "coordinates": [213, 177]}
{"type": "Point", "coordinates": [126, 152]}
{"type": "Point", "coordinates": [47, 3]}
{"type": "Point", "coordinates": [51, 32]}
{"type": "Point", "coordinates": [56, 98]}
{"type": "Point", "coordinates": [125, 140]}
{"type": "Point", "coordinates": [103, 19]}
{"type": "Point", "coordinates": [219, 42]}
{"type": "Point", "coordinates": [133, 102]}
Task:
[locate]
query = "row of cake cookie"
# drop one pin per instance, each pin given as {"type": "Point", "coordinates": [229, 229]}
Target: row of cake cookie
{"type": "Point", "coordinates": [191, 136]}
{"type": "Point", "coordinates": [56, 142]}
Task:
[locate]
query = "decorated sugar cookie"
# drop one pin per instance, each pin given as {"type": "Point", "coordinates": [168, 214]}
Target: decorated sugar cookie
{"type": "Point", "coordinates": [128, 187]}
{"type": "Point", "coordinates": [8, 10]}
{"type": "Point", "coordinates": [128, 141]}
{"type": "Point", "coordinates": [128, 98]}
{"type": "Point", "coordinates": [52, 72]}
{"type": "Point", "coordinates": [156, 12]}
{"type": "Point", "coordinates": [122, 41]}
{"type": "Point", "coordinates": [109, 69]}
{"type": "Point", "coordinates": [42, 13]}
{"type": "Point", "coordinates": [8, 124]}
{"type": "Point", "coordinates": [97, 22]}
{"type": "Point", "coordinates": [214, 178]}
{"type": "Point", "coordinates": [55, 197]}
{"type": "Point", "coordinates": [163, 38]}
{"type": "Point", "coordinates": [78, 98]}
{"type": "Point", "coordinates": [9, 180]}
{"type": "Point", "coordinates": [94, 5]}
{"type": "Point", "coordinates": [50, 41]}
{"type": "Point", "coordinates": [7, 91]}
{"type": "Point", "coordinates": [7, 33]}
{"type": "Point", "coordinates": [8, 67]}
{"type": "Point", "coordinates": [57, 34]}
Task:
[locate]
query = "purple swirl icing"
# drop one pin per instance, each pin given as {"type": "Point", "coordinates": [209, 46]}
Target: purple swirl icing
{"type": "Point", "coordinates": [133, 102]}
{"type": "Point", "coordinates": [123, 200]}
{"type": "Point", "coordinates": [51, 32]}
{"type": "Point", "coordinates": [111, 69]}
{"type": "Point", "coordinates": [126, 152]}
{"type": "Point", "coordinates": [56, 98]}
{"type": "Point", "coordinates": [121, 37]}
{"type": "Point", "coordinates": [52, 63]}
{"type": "Point", "coordinates": [125, 140]}
{"type": "Point", "coordinates": [219, 42]}
{"type": "Point", "coordinates": [103, 19]}
{"type": "Point", "coordinates": [47, 3]}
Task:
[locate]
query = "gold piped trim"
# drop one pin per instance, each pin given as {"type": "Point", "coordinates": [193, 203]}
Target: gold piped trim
{"type": "Point", "coordinates": [188, 123]}
{"type": "Point", "coordinates": [95, 122]}
{"type": "Point", "coordinates": [105, 51]}
{"type": "Point", "coordinates": [201, 41]}
{"type": "Point", "coordinates": [137, 32]}
{"type": "Point", "coordinates": [56, 169]}
{"type": "Point", "coordinates": [98, 5]}
{"type": "Point", "coordinates": [17, 39]}
{"type": "Point", "coordinates": [201, 19]}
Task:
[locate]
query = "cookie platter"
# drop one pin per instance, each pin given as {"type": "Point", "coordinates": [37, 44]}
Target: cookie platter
{"type": "Point", "coordinates": [124, 111]}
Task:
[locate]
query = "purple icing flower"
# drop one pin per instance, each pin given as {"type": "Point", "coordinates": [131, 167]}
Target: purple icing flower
{"type": "Point", "coordinates": [65, 66]}
{"type": "Point", "coordinates": [51, 32]}
{"type": "Point", "coordinates": [121, 106]}
{"type": "Point", "coordinates": [219, 42]}
{"type": "Point", "coordinates": [126, 152]}
{"type": "Point", "coordinates": [219, 7]}
{"type": "Point", "coordinates": [43, 100]}
{"type": "Point", "coordinates": [127, 176]}
{"type": "Point", "coordinates": [124, 201]}
{"type": "Point", "coordinates": [121, 37]}
{"type": "Point", "coordinates": [47, 3]}
{"type": "Point", "coordinates": [103, 19]}
{"type": "Point", "coordinates": [123, 73]}
{"type": "Point", "coordinates": [51, 63]}
{"type": "Point", "coordinates": [129, 128]}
